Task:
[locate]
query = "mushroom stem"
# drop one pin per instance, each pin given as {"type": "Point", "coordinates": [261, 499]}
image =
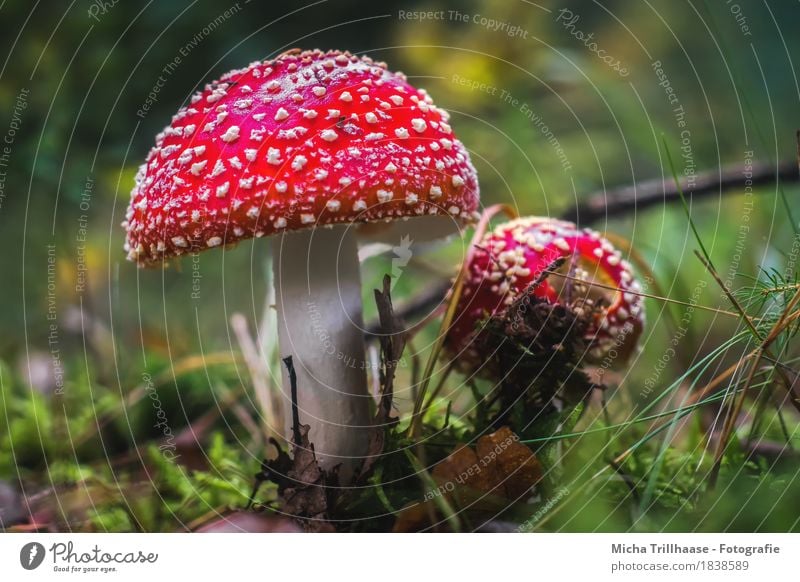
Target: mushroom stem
{"type": "Point", "coordinates": [318, 299]}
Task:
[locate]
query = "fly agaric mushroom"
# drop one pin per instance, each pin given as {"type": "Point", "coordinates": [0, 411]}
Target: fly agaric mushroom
{"type": "Point", "coordinates": [516, 254]}
{"type": "Point", "coordinates": [310, 139]}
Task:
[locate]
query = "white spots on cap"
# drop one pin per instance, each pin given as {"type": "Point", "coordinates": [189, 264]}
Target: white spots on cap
{"type": "Point", "coordinates": [534, 245]}
{"type": "Point", "coordinates": [222, 189]}
{"type": "Point", "coordinates": [299, 162]}
{"type": "Point", "coordinates": [253, 212]}
{"type": "Point", "coordinates": [292, 133]}
{"type": "Point", "coordinates": [307, 218]}
{"type": "Point", "coordinates": [457, 181]}
{"type": "Point", "coordinates": [598, 252]}
{"type": "Point", "coordinates": [214, 241]}
{"type": "Point", "coordinates": [613, 259]}
{"type": "Point", "coordinates": [167, 151]}
{"type": "Point", "coordinates": [274, 156]}
{"type": "Point", "coordinates": [561, 244]}
{"type": "Point", "coordinates": [216, 94]}
{"type": "Point", "coordinates": [310, 164]}
{"type": "Point", "coordinates": [179, 241]}
{"type": "Point", "coordinates": [328, 135]}
{"type": "Point", "coordinates": [446, 143]}
{"type": "Point", "coordinates": [198, 167]}
{"type": "Point", "coordinates": [231, 134]}
{"type": "Point", "coordinates": [419, 125]}
{"type": "Point", "coordinates": [219, 168]}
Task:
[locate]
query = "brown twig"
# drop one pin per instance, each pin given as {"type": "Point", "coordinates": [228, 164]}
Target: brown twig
{"type": "Point", "coordinates": [420, 305]}
{"type": "Point", "coordinates": [296, 436]}
{"type": "Point", "coordinates": [616, 201]}
{"type": "Point", "coordinates": [619, 201]}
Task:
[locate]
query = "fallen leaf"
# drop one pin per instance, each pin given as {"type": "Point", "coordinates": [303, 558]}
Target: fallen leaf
{"type": "Point", "coordinates": [499, 472]}
{"type": "Point", "coordinates": [514, 465]}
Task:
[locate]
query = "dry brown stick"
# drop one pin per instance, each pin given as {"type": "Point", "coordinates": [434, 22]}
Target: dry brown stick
{"type": "Point", "coordinates": [619, 201]}
{"type": "Point", "coordinates": [615, 201]}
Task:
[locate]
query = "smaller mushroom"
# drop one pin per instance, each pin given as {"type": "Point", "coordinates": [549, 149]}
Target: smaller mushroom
{"type": "Point", "coordinates": [517, 254]}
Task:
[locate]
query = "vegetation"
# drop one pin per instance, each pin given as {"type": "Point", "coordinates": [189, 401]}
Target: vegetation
{"type": "Point", "coordinates": [134, 400]}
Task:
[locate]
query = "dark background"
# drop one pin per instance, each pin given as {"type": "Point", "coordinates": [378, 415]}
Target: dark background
{"type": "Point", "coordinates": [84, 72]}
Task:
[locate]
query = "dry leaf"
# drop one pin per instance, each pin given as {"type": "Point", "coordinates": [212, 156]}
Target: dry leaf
{"type": "Point", "coordinates": [499, 472]}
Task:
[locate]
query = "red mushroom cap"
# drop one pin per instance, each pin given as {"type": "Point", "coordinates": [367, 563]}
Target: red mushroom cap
{"type": "Point", "coordinates": [310, 138]}
{"type": "Point", "coordinates": [516, 253]}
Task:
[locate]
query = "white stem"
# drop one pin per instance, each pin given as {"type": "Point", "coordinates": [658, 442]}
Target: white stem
{"type": "Point", "coordinates": [318, 298]}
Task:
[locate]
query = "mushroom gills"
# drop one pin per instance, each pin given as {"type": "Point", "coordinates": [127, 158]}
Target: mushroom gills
{"type": "Point", "coordinates": [318, 301]}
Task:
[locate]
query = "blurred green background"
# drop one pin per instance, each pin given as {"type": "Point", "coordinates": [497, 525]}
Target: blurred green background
{"type": "Point", "coordinates": [546, 120]}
